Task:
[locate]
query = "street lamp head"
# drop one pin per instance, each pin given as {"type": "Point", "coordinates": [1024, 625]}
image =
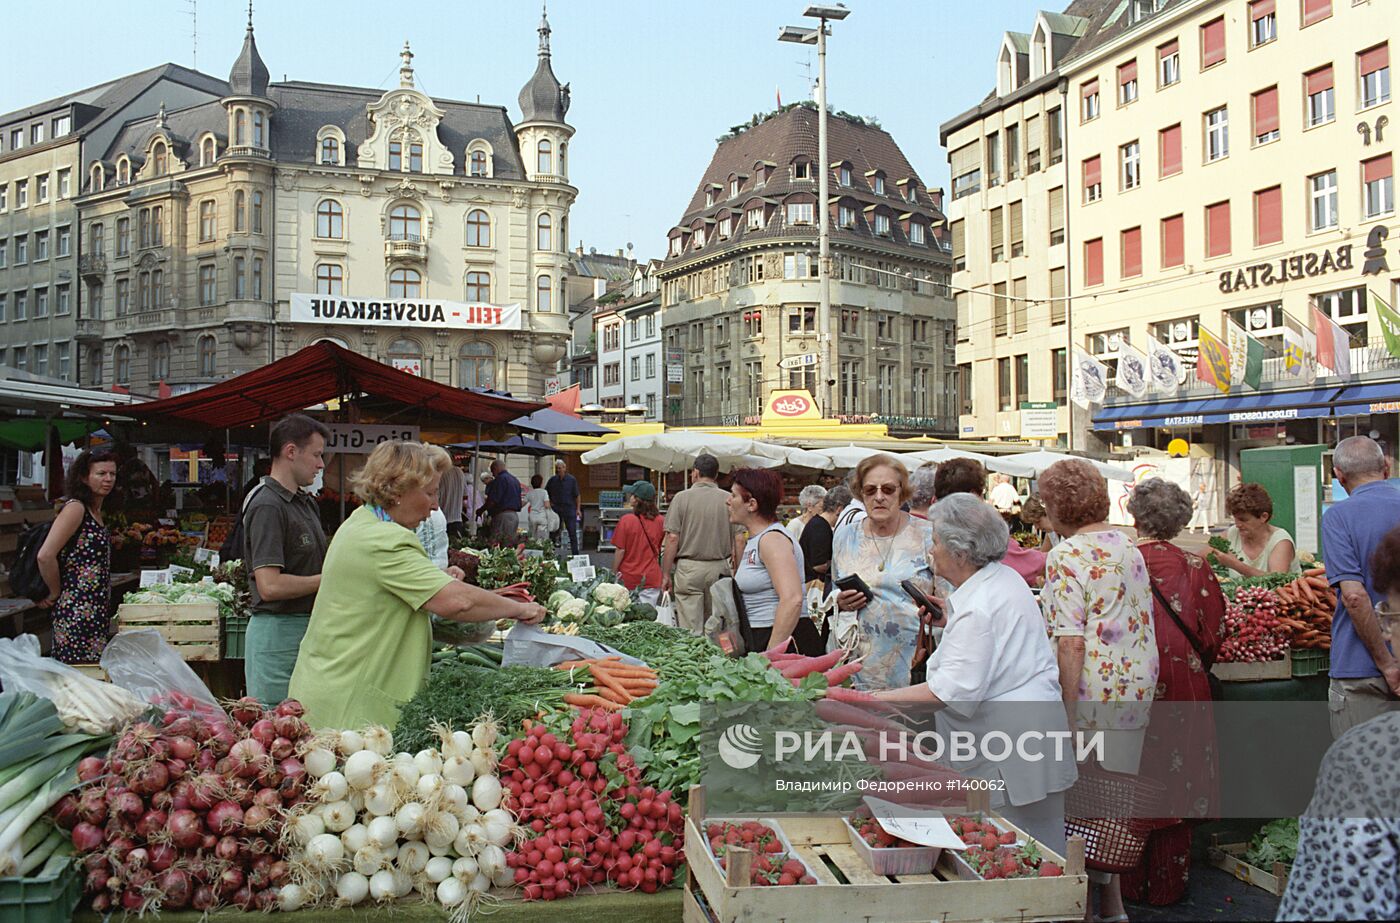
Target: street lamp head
{"type": "Point", "coordinates": [798, 35]}
{"type": "Point", "coordinates": [835, 12]}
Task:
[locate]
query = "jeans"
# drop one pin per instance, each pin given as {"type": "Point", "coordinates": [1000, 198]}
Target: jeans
{"type": "Point", "coordinates": [568, 523]}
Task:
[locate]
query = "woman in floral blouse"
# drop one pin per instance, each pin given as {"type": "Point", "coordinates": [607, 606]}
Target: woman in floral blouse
{"type": "Point", "coordinates": [1098, 605]}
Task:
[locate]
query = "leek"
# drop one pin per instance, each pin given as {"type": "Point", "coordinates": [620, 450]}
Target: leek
{"type": "Point", "coordinates": [16, 821]}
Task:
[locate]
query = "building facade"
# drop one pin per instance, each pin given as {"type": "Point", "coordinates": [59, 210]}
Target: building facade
{"type": "Point", "coordinates": [740, 290]}
{"type": "Point", "coordinates": [1225, 163]}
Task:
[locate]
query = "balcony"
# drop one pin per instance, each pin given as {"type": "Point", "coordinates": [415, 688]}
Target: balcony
{"type": "Point", "coordinates": [92, 266]}
{"type": "Point", "coordinates": [89, 330]}
{"type": "Point", "coordinates": [406, 248]}
{"type": "Point", "coordinates": [247, 150]}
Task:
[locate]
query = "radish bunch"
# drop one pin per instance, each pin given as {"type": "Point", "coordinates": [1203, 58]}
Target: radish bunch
{"type": "Point", "coordinates": [588, 817]}
{"type": "Point", "coordinates": [186, 811]}
{"type": "Point", "coordinates": [1251, 631]}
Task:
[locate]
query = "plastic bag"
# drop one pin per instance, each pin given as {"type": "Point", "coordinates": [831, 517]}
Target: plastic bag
{"type": "Point", "coordinates": [666, 611]}
{"type": "Point", "coordinates": [529, 646]}
{"type": "Point", "coordinates": [141, 662]}
{"type": "Point", "coordinates": [82, 702]}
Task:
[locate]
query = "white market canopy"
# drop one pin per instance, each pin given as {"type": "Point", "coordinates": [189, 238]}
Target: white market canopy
{"type": "Point", "coordinates": [677, 451]}
{"type": "Point", "coordinates": [1004, 464]}
{"type": "Point", "coordinates": [846, 457]}
{"type": "Point", "coordinates": [1043, 459]}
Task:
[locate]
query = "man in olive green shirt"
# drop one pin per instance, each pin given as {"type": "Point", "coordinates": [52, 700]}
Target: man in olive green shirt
{"type": "Point", "coordinates": [699, 545]}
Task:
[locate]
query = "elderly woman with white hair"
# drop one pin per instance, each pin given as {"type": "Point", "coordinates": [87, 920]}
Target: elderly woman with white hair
{"type": "Point", "coordinates": [994, 670]}
{"type": "Point", "coordinates": [810, 504]}
{"type": "Point", "coordinates": [921, 481]}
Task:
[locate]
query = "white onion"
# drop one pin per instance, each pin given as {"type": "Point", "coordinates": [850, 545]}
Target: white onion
{"type": "Point", "coordinates": [458, 744]}
{"type": "Point", "coordinates": [443, 849]}
{"type": "Point", "coordinates": [429, 787]}
{"type": "Point", "coordinates": [378, 739]}
{"type": "Point", "coordinates": [458, 771]}
{"type": "Point", "coordinates": [324, 852]}
{"type": "Point", "coordinates": [484, 762]}
{"type": "Point", "coordinates": [330, 787]}
{"type": "Point", "coordinates": [504, 878]}
{"type": "Point", "coordinates": [356, 801]}
{"type": "Point", "coordinates": [318, 761]}
{"type": "Point", "coordinates": [412, 857]}
{"type": "Point", "coordinates": [364, 768]}
{"type": "Point", "coordinates": [429, 762]}
{"type": "Point", "coordinates": [451, 892]}
{"type": "Point", "coordinates": [382, 799]}
{"type": "Point", "coordinates": [370, 859]}
{"type": "Point", "coordinates": [350, 742]}
{"type": "Point", "coordinates": [292, 897]}
{"type": "Point", "coordinates": [480, 883]}
{"type": "Point", "coordinates": [338, 815]}
{"type": "Point", "coordinates": [354, 837]}
{"type": "Point", "coordinates": [306, 826]}
{"type": "Point", "coordinates": [439, 827]}
{"type": "Point", "coordinates": [497, 830]}
{"type": "Point", "coordinates": [439, 868]}
{"type": "Point", "coordinates": [410, 820]}
{"type": "Point", "coordinates": [403, 882]}
{"type": "Point", "coordinates": [471, 839]}
{"type": "Point", "coordinates": [383, 832]}
{"type": "Point", "coordinates": [486, 792]}
{"type": "Point", "coordinates": [466, 869]}
{"type": "Point", "coordinates": [484, 734]}
{"type": "Point", "coordinates": [403, 774]}
{"type": "Point", "coordinates": [381, 886]}
{"type": "Point", "coordinates": [350, 889]}
{"type": "Point", "coordinates": [491, 860]}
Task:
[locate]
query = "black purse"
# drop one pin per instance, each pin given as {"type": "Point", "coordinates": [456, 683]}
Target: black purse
{"type": "Point", "coordinates": [1217, 689]}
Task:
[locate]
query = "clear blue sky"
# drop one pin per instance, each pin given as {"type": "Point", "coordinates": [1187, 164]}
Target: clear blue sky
{"type": "Point", "coordinates": [654, 81]}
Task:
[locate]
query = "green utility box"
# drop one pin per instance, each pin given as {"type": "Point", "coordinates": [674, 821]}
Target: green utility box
{"type": "Point", "coordinates": [1292, 474]}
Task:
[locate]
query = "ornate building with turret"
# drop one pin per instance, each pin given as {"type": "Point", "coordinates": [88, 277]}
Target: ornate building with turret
{"type": "Point", "coordinates": [219, 225]}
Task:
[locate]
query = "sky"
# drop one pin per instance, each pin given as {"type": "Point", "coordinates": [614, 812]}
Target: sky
{"type": "Point", "coordinates": [654, 82]}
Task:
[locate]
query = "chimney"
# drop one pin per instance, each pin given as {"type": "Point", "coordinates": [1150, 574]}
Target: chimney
{"type": "Point", "coordinates": [600, 286]}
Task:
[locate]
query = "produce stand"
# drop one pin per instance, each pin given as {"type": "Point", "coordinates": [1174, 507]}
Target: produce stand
{"type": "Point", "coordinates": [1253, 672]}
{"type": "Point", "coordinates": [1230, 858]}
{"type": "Point", "coordinates": [41, 898]}
{"type": "Point", "coordinates": [191, 628]}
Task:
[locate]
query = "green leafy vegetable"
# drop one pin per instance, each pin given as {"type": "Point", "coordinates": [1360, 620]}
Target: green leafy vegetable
{"type": "Point", "coordinates": [457, 693]}
{"type": "Point", "coordinates": [1276, 841]}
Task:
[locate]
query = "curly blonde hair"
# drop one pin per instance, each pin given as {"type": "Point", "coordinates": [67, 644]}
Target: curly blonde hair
{"type": "Point", "coordinates": [395, 467]}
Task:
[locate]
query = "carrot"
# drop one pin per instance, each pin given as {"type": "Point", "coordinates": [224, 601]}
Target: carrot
{"type": "Point", "coordinates": [602, 679]}
{"type": "Point", "coordinates": [582, 700]}
{"type": "Point", "coordinates": [1318, 583]}
{"type": "Point", "coordinates": [614, 696]}
{"type": "Point", "coordinates": [628, 672]}
{"type": "Point", "coordinates": [1315, 572]}
{"type": "Point", "coordinates": [1306, 592]}
{"type": "Point", "coordinates": [645, 687]}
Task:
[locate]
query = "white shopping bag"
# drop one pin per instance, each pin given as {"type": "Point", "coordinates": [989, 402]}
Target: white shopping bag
{"type": "Point", "coordinates": [666, 611]}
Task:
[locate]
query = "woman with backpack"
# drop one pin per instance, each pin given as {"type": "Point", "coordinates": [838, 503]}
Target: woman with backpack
{"type": "Point", "coordinates": [76, 561]}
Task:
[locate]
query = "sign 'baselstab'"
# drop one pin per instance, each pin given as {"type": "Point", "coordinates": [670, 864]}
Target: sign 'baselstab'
{"type": "Point", "coordinates": [403, 312]}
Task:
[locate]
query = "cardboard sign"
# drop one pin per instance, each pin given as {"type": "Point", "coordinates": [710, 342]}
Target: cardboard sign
{"type": "Point", "coordinates": [155, 577]}
{"type": "Point", "coordinates": [176, 570]}
{"type": "Point", "coordinates": [927, 828]}
{"type": "Point", "coordinates": [583, 574]}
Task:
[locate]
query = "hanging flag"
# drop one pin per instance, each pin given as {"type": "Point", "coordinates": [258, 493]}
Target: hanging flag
{"type": "Point", "coordinates": [1333, 343]}
{"type": "Point", "coordinates": [1132, 370]}
{"type": "Point", "coordinates": [1298, 347]}
{"type": "Point", "coordinates": [1165, 366]}
{"type": "Point", "coordinates": [1213, 363]}
{"type": "Point", "coordinates": [1246, 356]}
{"type": "Point", "coordinates": [1088, 381]}
{"type": "Point", "coordinates": [1390, 323]}
{"type": "Point", "coordinates": [779, 92]}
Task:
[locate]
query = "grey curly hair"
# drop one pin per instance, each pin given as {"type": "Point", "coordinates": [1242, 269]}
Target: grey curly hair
{"type": "Point", "coordinates": [1160, 509]}
{"type": "Point", "coordinates": [970, 529]}
{"type": "Point", "coordinates": [921, 481]}
{"type": "Point", "coordinates": [811, 497]}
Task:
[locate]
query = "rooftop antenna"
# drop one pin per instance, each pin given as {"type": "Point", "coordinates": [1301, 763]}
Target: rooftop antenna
{"type": "Point", "coordinates": [194, 33]}
{"type": "Point", "coordinates": [810, 80]}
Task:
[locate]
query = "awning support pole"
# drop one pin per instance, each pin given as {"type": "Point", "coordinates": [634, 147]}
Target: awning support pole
{"type": "Point", "coordinates": [476, 476]}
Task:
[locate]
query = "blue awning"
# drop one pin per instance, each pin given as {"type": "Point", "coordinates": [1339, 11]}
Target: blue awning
{"type": "Point", "coordinates": [1259, 407]}
{"type": "Point", "coordinates": [1360, 400]}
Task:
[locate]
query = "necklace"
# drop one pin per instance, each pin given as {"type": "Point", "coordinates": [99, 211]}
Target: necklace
{"type": "Point", "coordinates": [889, 548]}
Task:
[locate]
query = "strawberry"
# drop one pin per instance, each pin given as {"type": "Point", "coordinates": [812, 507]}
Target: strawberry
{"type": "Point", "coordinates": [794, 868]}
{"type": "Point", "coordinates": [989, 842]}
{"type": "Point", "coordinates": [1050, 870]}
{"type": "Point", "coordinates": [1007, 838]}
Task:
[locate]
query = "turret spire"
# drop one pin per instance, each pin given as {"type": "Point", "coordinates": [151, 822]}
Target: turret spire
{"type": "Point", "coordinates": [406, 68]}
{"type": "Point", "coordinates": [544, 30]}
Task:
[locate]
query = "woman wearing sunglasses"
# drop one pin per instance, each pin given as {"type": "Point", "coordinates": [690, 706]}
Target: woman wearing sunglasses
{"type": "Point", "coordinates": [885, 548]}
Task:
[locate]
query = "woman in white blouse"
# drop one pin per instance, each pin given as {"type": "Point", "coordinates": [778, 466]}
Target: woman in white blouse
{"type": "Point", "coordinates": [994, 669]}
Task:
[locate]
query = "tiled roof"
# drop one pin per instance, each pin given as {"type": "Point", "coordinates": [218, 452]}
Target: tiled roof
{"type": "Point", "coordinates": [116, 93]}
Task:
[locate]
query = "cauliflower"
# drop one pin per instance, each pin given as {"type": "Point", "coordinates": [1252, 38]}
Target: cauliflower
{"type": "Point", "coordinates": [558, 598]}
{"type": "Point", "coordinates": [571, 611]}
{"type": "Point", "coordinates": [612, 594]}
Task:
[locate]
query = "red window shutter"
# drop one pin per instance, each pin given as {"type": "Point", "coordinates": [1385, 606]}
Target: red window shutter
{"type": "Point", "coordinates": [1260, 8]}
{"type": "Point", "coordinates": [1170, 150]}
{"type": "Point", "coordinates": [1132, 252]}
{"type": "Point", "coordinates": [1093, 261]}
{"type": "Point", "coordinates": [1213, 42]}
{"type": "Point", "coordinates": [1167, 50]}
{"type": "Point", "coordinates": [1374, 59]}
{"type": "Point", "coordinates": [1218, 229]}
{"type": "Point", "coordinates": [1319, 80]}
{"type": "Point", "coordinates": [1266, 111]}
{"type": "Point", "coordinates": [1268, 216]}
{"type": "Point", "coordinates": [1173, 247]}
{"type": "Point", "coordinates": [1091, 88]}
{"type": "Point", "coordinates": [1316, 11]}
{"type": "Point", "coordinates": [1127, 72]}
{"type": "Point", "coordinates": [1377, 168]}
{"type": "Point", "coordinates": [1092, 172]}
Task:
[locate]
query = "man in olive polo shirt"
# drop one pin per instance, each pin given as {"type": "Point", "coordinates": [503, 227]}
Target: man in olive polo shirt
{"type": "Point", "coordinates": [285, 550]}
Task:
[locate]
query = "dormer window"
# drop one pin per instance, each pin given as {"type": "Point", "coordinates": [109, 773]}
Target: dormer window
{"type": "Point", "coordinates": [698, 238]}
{"type": "Point", "coordinates": [159, 160]}
{"type": "Point", "coordinates": [912, 191]}
{"type": "Point", "coordinates": [882, 224]}
{"type": "Point", "coordinates": [916, 233]}
{"type": "Point", "coordinates": [208, 151]}
{"type": "Point", "coordinates": [330, 150]}
{"type": "Point", "coordinates": [726, 225]}
{"type": "Point", "coordinates": [709, 197]}
{"type": "Point", "coordinates": [755, 219]}
{"type": "Point", "coordinates": [676, 245]}
{"type": "Point", "coordinates": [97, 178]}
{"type": "Point", "coordinates": [878, 184]}
{"type": "Point", "coordinates": [801, 169]}
{"type": "Point", "coordinates": [415, 157]}
{"type": "Point", "coordinates": [478, 167]}
{"type": "Point", "coordinates": [799, 213]}
{"type": "Point", "coordinates": [760, 173]}
{"type": "Point", "coordinates": [123, 171]}
{"type": "Point", "coordinates": [845, 216]}
{"type": "Point", "coordinates": [843, 175]}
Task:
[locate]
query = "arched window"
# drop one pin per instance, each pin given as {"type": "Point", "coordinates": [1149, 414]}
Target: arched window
{"type": "Point", "coordinates": [121, 363]}
{"type": "Point", "coordinates": [330, 277]}
{"type": "Point", "coordinates": [207, 220]}
{"type": "Point", "coordinates": [544, 157]}
{"type": "Point", "coordinates": [407, 356]}
{"type": "Point", "coordinates": [544, 227]}
{"type": "Point", "coordinates": [478, 163]}
{"type": "Point", "coordinates": [330, 219]}
{"type": "Point", "coordinates": [97, 178]}
{"type": "Point", "coordinates": [336, 340]}
{"type": "Point", "coordinates": [207, 152]}
{"type": "Point", "coordinates": [123, 171]}
{"type": "Point", "coordinates": [240, 211]}
{"type": "Point", "coordinates": [405, 223]}
{"type": "Point", "coordinates": [330, 150]}
{"type": "Point", "coordinates": [478, 228]}
{"type": "Point", "coordinates": [257, 212]}
{"type": "Point", "coordinates": [405, 283]}
{"type": "Point", "coordinates": [257, 129]}
{"type": "Point", "coordinates": [476, 364]}
{"type": "Point", "coordinates": [240, 127]}
{"type": "Point", "coordinates": [478, 287]}
{"type": "Point", "coordinates": [160, 361]}
{"type": "Point", "coordinates": [544, 294]}
{"type": "Point", "coordinates": [207, 346]}
{"type": "Point", "coordinates": [240, 277]}
{"type": "Point", "coordinates": [563, 159]}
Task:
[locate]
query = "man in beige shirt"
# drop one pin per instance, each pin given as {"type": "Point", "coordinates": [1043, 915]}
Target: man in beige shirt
{"type": "Point", "coordinates": [699, 543]}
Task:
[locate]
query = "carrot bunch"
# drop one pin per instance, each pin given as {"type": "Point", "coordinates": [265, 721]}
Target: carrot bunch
{"type": "Point", "coordinates": [1309, 604]}
{"type": "Point", "coordinates": [796, 667]}
{"type": "Point", "coordinates": [615, 684]}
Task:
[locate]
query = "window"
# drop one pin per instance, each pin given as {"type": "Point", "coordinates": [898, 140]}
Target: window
{"type": "Point", "coordinates": [1218, 229]}
{"type": "Point", "coordinates": [207, 347]}
{"type": "Point", "coordinates": [396, 156]}
{"type": "Point", "coordinates": [330, 150]}
{"type": "Point", "coordinates": [478, 288]}
{"type": "Point", "coordinates": [159, 162]}
{"type": "Point", "coordinates": [478, 161]}
{"type": "Point", "coordinates": [36, 133]}
{"type": "Point", "coordinates": [1263, 23]}
{"type": "Point", "coordinates": [635, 369]}
{"type": "Point", "coordinates": [207, 152]}
{"type": "Point", "coordinates": [802, 320]}
{"type": "Point", "coordinates": [476, 365]}
{"type": "Point", "coordinates": [257, 279]}
{"type": "Point", "coordinates": [157, 289]}
{"type": "Point", "coordinates": [21, 305]}
{"type": "Point", "coordinates": [1000, 315]}
{"type": "Point", "coordinates": [966, 170]}
{"type": "Point", "coordinates": [1321, 103]}
{"type": "Point", "coordinates": [800, 212]}
{"type": "Point", "coordinates": [41, 245]}
{"type": "Point", "coordinates": [240, 211]}
{"type": "Point", "coordinates": [21, 193]}
{"type": "Point", "coordinates": [160, 361]}
{"type": "Point", "coordinates": [330, 219]}
{"type": "Point", "coordinates": [544, 226]}
{"type": "Point", "coordinates": [1059, 375]}
{"type": "Point", "coordinates": [993, 164]}
{"type": "Point", "coordinates": [1130, 251]}
{"type": "Point", "coordinates": [1055, 122]}
{"type": "Point", "coordinates": [734, 184]}
{"type": "Point", "coordinates": [123, 236]}
{"type": "Point", "coordinates": [415, 157]}
{"type": "Point", "coordinates": [478, 228]}
{"type": "Point", "coordinates": [726, 226]}
{"type": "Point", "coordinates": [1323, 189]}
{"type": "Point", "coordinates": [1213, 43]}
{"type": "Point", "coordinates": [1056, 210]}
{"type": "Point", "coordinates": [94, 300]}
{"type": "Point", "coordinates": [1023, 379]}
{"type": "Point", "coordinates": [755, 219]}
{"type": "Point", "coordinates": [258, 122]}
{"type": "Point", "coordinates": [1013, 155]}
{"type": "Point", "coordinates": [16, 139]}
{"type": "Point", "coordinates": [879, 184]}
{"type": "Point", "coordinates": [4, 303]}
{"type": "Point", "coordinates": [41, 359]}
{"type": "Point", "coordinates": [1130, 163]}
{"type": "Point", "coordinates": [843, 175]}
{"type": "Point", "coordinates": [206, 220]}
{"type": "Point", "coordinates": [1093, 261]}
{"type": "Point", "coordinates": [208, 293]}
{"type": "Point", "coordinates": [257, 214]}
{"type": "Point", "coordinates": [41, 189]}
{"type": "Point", "coordinates": [62, 125]}
{"type": "Point", "coordinates": [1032, 151]}
{"type": "Point", "coordinates": [62, 353]}
{"type": "Point", "coordinates": [4, 196]}
{"type": "Point", "coordinates": [95, 182]}
{"type": "Point", "coordinates": [1169, 150]}
{"type": "Point", "coordinates": [544, 159]}
{"type": "Point", "coordinates": [121, 362]}
{"type": "Point", "coordinates": [1266, 115]}
{"type": "Point", "coordinates": [1374, 66]}
{"type": "Point", "coordinates": [882, 224]}
{"type": "Point", "coordinates": [1127, 83]}
{"type": "Point", "coordinates": [651, 365]}
{"type": "Point", "coordinates": [1268, 216]}
{"type": "Point", "coordinates": [612, 373]}
{"type": "Point", "coordinates": [41, 302]}
{"type": "Point", "coordinates": [544, 291]}
{"type": "Point", "coordinates": [405, 283]}
{"type": "Point", "coordinates": [405, 223]}
{"type": "Point", "coordinates": [1316, 11]}
{"type": "Point", "coordinates": [330, 279]}
{"type": "Point", "coordinates": [996, 234]}
{"type": "Point", "coordinates": [123, 305]}
{"type": "Point", "coordinates": [798, 266]}
{"type": "Point", "coordinates": [1089, 101]}
{"type": "Point", "coordinates": [916, 232]}
{"type": "Point", "coordinates": [801, 169]}
{"type": "Point", "coordinates": [1217, 134]}
{"type": "Point", "coordinates": [1379, 182]}
{"type": "Point", "coordinates": [64, 241]}
{"type": "Point", "coordinates": [65, 183]}
{"type": "Point", "coordinates": [4, 249]}
{"type": "Point", "coordinates": [1004, 384]}
{"type": "Point", "coordinates": [845, 216]}
{"type": "Point", "coordinates": [1093, 180]}
{"type": "Point", "coordinates": [21, 250]}
{"type": "Point", "coordinates": [157, 226]}
{"type": "Point", "coordinates": [240, 128]}
{"type": "Point", "coordinates": [240, 277]}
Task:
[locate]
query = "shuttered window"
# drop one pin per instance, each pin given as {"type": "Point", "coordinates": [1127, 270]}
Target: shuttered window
{"type": "Point", "coordinates": [959, 244]}
{"type": "Point", "coordinates": [1376, 169]}
{"type": "Point", "coordinates": [1169, 150]}
{"type": "Point", "coordinates": [964, 158]}
{"type": "Point", "coordinates": [996, 233]}
{"type": "Point", "coordinates": [1218, 229]}
{"type": "Point", "coordinates": [1131, 252]}
{"type": "Point", "coordinates": [1266, 115]}
{"type": "Point", "coordinates": [1316, 11]}
{"type": "Point", "coordinates": [1057, 215]}
{"type": "Point", "coordinates": [1019, 315]}
{"type": "Point", "coordinates": [1319, 80]}
{"type": "Point", "coordinates": [1213, 43]}
{"type": "Point", "coordinates": [1093, 261]}
{"type": "Point", "coordinates": [1018, 235]}
{"type": "Point", "coordinates": [1127, 82]}
{"type": "Point", "coordinates": [999, 319]}
{"type": "Point", "coordinates": [1374, 59]}
{"type": "Point", "coordinates": [1059, 310]}
{"type": "Point", "coordinates": [1173, 244]}
{"type": "Point", "coordinates": [1268, 216]}
{"type": "Point", "coordinates": [1093, 180]}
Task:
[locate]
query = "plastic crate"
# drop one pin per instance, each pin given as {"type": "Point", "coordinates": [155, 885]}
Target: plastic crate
{"type": "Point", "coordinates": [900, 860]}
{"type": "Point", "coordinates": [41, 900]}
{"type": "Point", "coordinates": [234, 634]}
{"type": "Point", "coordinates": [1310, 661]}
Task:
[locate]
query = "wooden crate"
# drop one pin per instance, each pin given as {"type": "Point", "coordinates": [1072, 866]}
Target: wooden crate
{"type": "Point", "coordinates": [1230, 857]}
{"type": "Point", "coordinates": [93, 670]}
{"type": "Point", "coordinates": [191, 628]}
{"type": "Point", "coordinates": [1253, 672]}
{"type": "Point", "coordinates": [846, 889]}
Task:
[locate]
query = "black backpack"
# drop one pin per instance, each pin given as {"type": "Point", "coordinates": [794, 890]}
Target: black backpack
{"type": "Point", "coordinates": [25, 578]}
{"type": "Point", "coordinates": [234, 546]}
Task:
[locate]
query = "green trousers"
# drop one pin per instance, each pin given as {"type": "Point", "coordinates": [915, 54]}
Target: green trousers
{"type": "Point", "coordinates": [270, 654]}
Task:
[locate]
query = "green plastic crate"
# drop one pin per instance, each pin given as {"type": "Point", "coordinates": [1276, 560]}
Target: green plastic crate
{"type": "Point", "coordinates": [41, 900]}
{"type": "Point", "coordinates": [235, 634]}
{"type": "Point", "coordinates": [1310, 662]}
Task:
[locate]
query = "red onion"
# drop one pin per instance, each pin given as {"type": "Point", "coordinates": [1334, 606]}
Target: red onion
{"type": "Point", "coordinates": [176, 767]}
{"type": "Point", "coordinates": [151, 823]}
{"type": "Point", "coordinates": [278, 873]}
{"type": "Point", "coordinates": [116, 765]}
{"type": "Point", "coordinates": [132, 901]}
{"type": "Point", "coordinates": [141, 877]}
{"type": "Point", "coordinates": [222, 740]}
{"type": "Point", "coordinates": [160, 749]}
{"type": "Point", "coordinates": [269, 798]}
{"type": "Point", "coordinates": [281, 748]}
{"type": "Point", "coordinates": [205, 791]}
{"type": "Point", "coordinates": [248, 756]}
{"type": "Point", "coordinates": [94, 861]}
{"type": "Point", "coordinates": [203, 898]}
{"type": "Point", "coordinates": [150, 778]}
{"type": "Point", "coordinates": [137, 858]}
{"type": "Point", "coordinates": [265, 900]}
{"type": "Point", "coordinates": [205, 760]}
{"type": "Point", "coordinates": [119, 844]}
{"type": "Point", "coordinates": [290, 707]}
{"type": "Point", "coordinates": [162, 856]}
{"type": "Point", "coordinates": [186, 829]}
{"type": "Point", "coordinates": [127, 805]}
{"type": "Point", "coordinates": [263, 731]}
{"type": "Point", "coordinates": [162, 801]}
{"type": "Point", "coordinates": [92, 806]}
{"type": "Point", "coordinates": [96, 881]}
{"type": "Point", "coordinates": [208, 841]}
{"type": "Point", "coordinates": [225, 818]}
{"type": "Point", "coordinates": [101, 903]}
{"type": "Point", "coordinates": [176, 887]}
{"type": "Point", "coordinates": [246, 710]}
{"type": "Point", "coordinates": [227, 849]}
{"type": "Point", "coordinates": [269, 777]}
{"type": "Point", "coordinates": [65, 813]}
{"type": "Point", "coordinates": [183, 748]}
{"type": "Point", "coordinates": [290, 726]}
{"type": "Point", "coordinates": [89, 768]}
{"type": "Point", "coordinates": [243, 898]}
{"type": "Point", "coordinates": [230, 880]}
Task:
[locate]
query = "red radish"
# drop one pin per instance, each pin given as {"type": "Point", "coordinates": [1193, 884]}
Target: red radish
{"type": "Point", "coordinates": [225, 818]}
{"type": "Point", "coordinates": [87, 837]}
{"type": "Point", "coordinates": [838, 675]}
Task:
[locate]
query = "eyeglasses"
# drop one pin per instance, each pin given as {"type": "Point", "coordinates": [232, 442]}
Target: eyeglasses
{"type": "Point", "coordinates": [870, 490]}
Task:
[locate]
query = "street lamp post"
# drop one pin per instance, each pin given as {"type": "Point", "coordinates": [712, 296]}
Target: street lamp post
{"type": "Point", "coordinates": [827, 368]}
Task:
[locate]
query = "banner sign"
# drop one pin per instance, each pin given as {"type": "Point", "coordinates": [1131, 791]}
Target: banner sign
{"type": "Point", "coordinates": [358, 439]}
{"type": "Point", "coordinates": [409, 312]}
{"type": "Point", "coordinates": [411, 366]}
